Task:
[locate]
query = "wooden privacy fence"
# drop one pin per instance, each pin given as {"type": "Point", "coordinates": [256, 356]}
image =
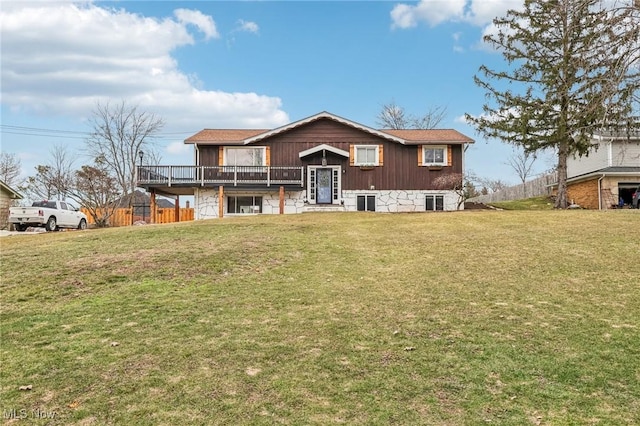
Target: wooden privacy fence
{"type": "Point", "coordinates": [122, 217]}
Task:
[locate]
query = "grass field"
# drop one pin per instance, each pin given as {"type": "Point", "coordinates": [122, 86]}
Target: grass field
{"type": "Point", "coordinates": [533, 203]}
{"type": "Point", "coordinates": [507, 317]}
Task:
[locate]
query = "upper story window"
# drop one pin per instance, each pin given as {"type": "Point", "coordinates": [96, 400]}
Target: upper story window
{"type": "Point", "coordinates": [244, 156]}
{"type": "Point", "coordinates": [433, 155]}
{"type": "Point", "coordinates": [367, 155]}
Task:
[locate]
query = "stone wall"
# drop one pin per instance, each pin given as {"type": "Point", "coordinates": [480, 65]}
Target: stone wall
{"type": "Point", "coordinates": [400, 200]}
{"type": "Point", "coordinates": [206, 201]}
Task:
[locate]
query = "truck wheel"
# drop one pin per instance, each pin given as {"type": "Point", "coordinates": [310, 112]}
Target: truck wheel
{"type": "Point", "coordinates": [51, 224]}
{"type": "Point", "coordinates": [82, 225]}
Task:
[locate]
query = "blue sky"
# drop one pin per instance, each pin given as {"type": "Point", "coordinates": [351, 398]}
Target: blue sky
{"type": "Point", "coordinates": [242, 64]}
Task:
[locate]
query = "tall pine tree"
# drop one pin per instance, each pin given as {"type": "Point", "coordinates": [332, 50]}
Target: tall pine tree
{"type": "Point", "coordinates": [573, 70]}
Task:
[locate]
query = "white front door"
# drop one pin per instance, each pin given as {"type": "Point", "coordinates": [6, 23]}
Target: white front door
{"type": "Point", "coordinates": [323, 184]}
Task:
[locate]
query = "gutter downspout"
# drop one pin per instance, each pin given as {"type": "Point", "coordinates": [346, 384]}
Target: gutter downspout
{"type": "Point", "coordinates": [600, 191]}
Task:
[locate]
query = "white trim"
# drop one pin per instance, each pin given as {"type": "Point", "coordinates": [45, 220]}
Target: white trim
{"type": "Point", "coordinates": [324, 146]}
{"type": "Point", "coordinates": [376, 161]}
{"type": "Point", "coordinates": [310, 184]}
{"type": "Point", "coordinates": [595, 174]}
{"type": "Point", "coordinates": [324, 114]}
{"type": "Point", "coordinates": [445, 153]}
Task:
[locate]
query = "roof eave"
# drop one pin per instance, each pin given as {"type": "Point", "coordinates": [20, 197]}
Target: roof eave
{"type": "Point", "coordinates": [14, 195]}
{"type": "Point", "coordinates": [318, 116]}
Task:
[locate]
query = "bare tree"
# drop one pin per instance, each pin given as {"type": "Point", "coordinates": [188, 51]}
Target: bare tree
{"type": "Point", "coordinates": [10, 167]}
{"type": "Point", "coordinates": [119, 133]}
{"type": "Point", "coordinates": [521, 162]}
{"type": "Point", "coordinates": [97, 191]}
{"type": "Point", "coordinates": [492, 185]}
{"type": "Point", "coordinates": [52, 180]}
{"type": "Point", "coordinates": [456, 183]}
{"type": "Point", "coordinates": [393, 116]}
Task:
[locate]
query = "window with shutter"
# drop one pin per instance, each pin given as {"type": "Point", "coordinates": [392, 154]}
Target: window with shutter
{"type": "Point", "coordinates": [434, 155]}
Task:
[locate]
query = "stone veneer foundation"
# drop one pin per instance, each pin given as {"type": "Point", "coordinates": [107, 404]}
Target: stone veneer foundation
{"type": "Point", "coordinates": [394, 201]}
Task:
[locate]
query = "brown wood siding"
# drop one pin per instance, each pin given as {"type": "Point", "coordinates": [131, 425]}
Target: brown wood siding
{"type": "Point", "coordinates": [208, 155]}
{"type": "Point", "coordinates": [399, 170]}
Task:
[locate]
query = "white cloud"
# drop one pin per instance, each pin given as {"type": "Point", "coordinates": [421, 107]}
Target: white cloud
{"type": "Point", "coordinates": [60, 58]}
{"type": "Point", "coordinates": [456, 42]}
{"type": "Point", "coordinates": [482, 12]}
{"type": "Point", "coordinates": [248, 26]}
{"type": "Point", "coordinates": [177, 148]}
{"type": "Point", "coordinates": [194, 17]}
{"type": "Point", "coordinates": [434, 12]}
{"type": "Point", "coordinates": [461, 119]}
{"type": "Point", "coordinates": [479, 13]}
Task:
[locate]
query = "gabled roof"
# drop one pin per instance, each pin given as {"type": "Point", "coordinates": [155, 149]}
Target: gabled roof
{"type": "Point", "coordinates": [228, 136]}
{"type": "Point", "coordinates": [12, 192]}
{"type": "Point", "coordinates": [420, 136]}
{"type": "Point", "coordinates": [404, 137]}
{"type": "Point", "coordinates": [321, 115]}
{"type": "Point", "coordinates": [325, 147]}
{"type": "Point", "coordinates": [141, 198]}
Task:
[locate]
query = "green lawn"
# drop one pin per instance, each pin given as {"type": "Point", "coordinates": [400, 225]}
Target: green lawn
{"type": "Point", "coordinates": [533, 203]}
{"type": "Point", "coordinates": [508, 317]}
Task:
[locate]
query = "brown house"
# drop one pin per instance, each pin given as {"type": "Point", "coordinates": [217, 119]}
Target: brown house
{"type": "Point", "coordinates": [323, 162]}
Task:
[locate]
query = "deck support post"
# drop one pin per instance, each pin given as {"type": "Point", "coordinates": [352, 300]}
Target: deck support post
{"type": "Point", "coordinates": [220, 201]}
{"type": "Point", "coordinates": [152, 206]}
{"type": "Point", "coordinates": [282, 200]}
{"type": "Point", "coordinates": [176, 215]}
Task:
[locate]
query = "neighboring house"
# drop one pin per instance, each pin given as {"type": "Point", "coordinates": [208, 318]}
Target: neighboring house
{"type": "Point", "coordinates": [7, 195]}
{"type": "Point", "coordinates": [320, 163]}
{"type": "Point", "coordinates": [611, 171]}
{"type": "Point", "coordinates": [141, 201]}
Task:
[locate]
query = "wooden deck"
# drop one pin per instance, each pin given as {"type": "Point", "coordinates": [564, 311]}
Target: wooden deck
{"type": "Point", "coordinates": [183, 179]}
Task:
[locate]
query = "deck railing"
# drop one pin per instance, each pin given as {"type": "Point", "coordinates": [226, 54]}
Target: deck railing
{"type": "Point", "coordinates": [220, 175]}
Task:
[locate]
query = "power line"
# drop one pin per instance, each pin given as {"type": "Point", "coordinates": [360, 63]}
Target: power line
{"type": "Point", "coordinates": [37, 131]}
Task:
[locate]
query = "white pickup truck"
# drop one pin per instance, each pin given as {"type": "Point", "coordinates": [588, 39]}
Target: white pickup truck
{"type": "Point", "coordinates": [50, 214]}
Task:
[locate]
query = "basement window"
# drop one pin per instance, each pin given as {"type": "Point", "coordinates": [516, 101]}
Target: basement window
{"type": "Point", "coordinates": [244, 205]}
{"type": "Point", "coordinates": [434, 202]}
{"type": "Point", "coordinates": [366, 203]}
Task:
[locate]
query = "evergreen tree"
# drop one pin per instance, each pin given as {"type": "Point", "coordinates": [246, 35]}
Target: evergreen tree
{"type": "Point", "coordinates": [573, 71]}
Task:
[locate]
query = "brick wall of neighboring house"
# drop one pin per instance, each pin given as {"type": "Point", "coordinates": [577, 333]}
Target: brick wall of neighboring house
{"type": "Point", "coordinates": [585, 193]}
